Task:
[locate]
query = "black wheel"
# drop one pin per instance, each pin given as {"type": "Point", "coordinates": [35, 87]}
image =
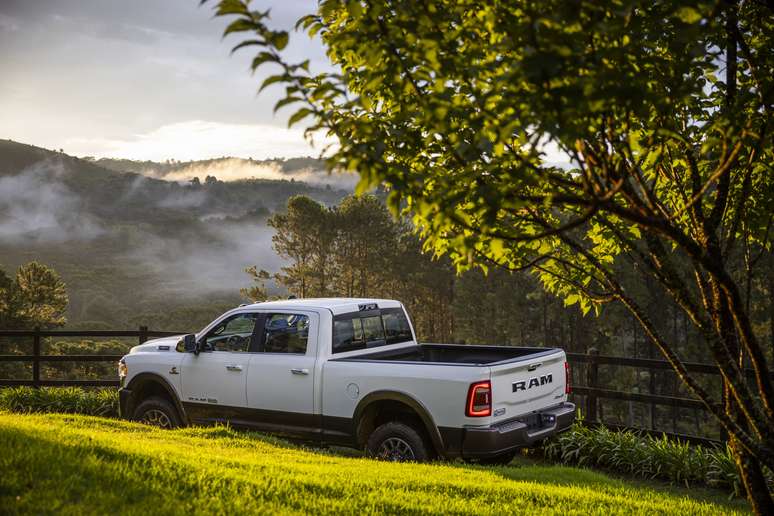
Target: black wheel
{"type": "Point", "coordinates": [498, 460]}
{"type": "Point", "coordinates": [397, 442]}
{"type": "Point", "coordinates": [157, 411]}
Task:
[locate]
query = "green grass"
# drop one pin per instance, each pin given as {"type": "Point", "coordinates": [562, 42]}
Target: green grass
{"type": "Point", "coordinates": [73, 464]}
{"type": "Point", "coordinates": [73, 400]}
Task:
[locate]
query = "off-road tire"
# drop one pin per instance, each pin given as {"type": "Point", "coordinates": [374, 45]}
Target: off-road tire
{"type": "Point", "coordinates": [399, 442]}
{"type": "Point", "coordinates": [158, 412]}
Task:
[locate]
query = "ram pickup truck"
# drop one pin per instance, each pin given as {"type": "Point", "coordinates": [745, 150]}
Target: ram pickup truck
{"type": "Point", "coordinates": [349, 372]}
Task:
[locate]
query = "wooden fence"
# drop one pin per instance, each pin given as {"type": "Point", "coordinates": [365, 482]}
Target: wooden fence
{"type": "Point", "coordinates": [592, 390]}
{"type": "Point", "coordinates": [142, 334]}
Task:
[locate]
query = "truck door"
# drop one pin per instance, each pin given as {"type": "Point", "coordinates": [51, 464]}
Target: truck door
{"type": "Point", "coordinates": [281, 378]}
{"type": "Point", "coordinates": [213, 383]}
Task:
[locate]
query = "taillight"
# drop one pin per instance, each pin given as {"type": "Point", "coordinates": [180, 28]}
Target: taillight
{"type": "Point", "coordinates": [479, 400]}
{"type": "Point", "coordinates": [567, 378]}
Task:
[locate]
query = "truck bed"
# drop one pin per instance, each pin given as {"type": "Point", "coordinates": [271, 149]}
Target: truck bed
{"type": "Point", "coordinates": [454, 354]}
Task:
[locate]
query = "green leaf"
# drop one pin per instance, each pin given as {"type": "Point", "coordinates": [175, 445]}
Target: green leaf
{"type": "Point", "coordinates": [248, 43]}
{"type": "Point", "coordinates": [280, 40]}
{"type": "Point", "coordinates": [688, 15]}
{"type": "Point", "coordinates": [284, 102]}
{"type": "Point", "coordinates": [226, 7]}
{"type": "Point", "coordinates": [271, 80]}
{"type": "Point", "coordinates": [240, 25]}
{"type": "Point", "coordinates": [299, 115]}
{"type": "Point", "coordinates": [263, 57]}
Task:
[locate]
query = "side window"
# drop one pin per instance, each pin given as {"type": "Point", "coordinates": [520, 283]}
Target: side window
{"type": "Point", "coordinates": [347, 335]}
{"type": "Point", "coordinates": [285, 333]}
{"type": "Point", "coordinates": [233, 334]}
{"type": "Point", "coordinates": [396, 326]}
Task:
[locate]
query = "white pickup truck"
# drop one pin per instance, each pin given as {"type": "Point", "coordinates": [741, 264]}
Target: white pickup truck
{"type": "Point", "coordinates": [349, 372]}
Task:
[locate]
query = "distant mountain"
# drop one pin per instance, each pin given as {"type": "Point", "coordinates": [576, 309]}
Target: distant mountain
{"type": "Point", "coordinates": [127, 241]}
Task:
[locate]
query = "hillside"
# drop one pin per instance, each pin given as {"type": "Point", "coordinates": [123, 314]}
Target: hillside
{"type": "Point", "coordinates": [86, 465]}
{"type": "Point", "coordinates": [130, 246]}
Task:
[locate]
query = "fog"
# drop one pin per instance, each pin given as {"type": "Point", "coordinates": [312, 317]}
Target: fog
{"type": "Point", "coordinates": [42, 218]}
{"type": "Point", "coordinates": [211, 263]}
{"type": "Point", "coordinates": [234, 169]}
{"type": "Point", "coordinates": [36, 206]}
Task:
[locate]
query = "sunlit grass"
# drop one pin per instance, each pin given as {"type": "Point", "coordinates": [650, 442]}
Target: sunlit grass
{"type": "Point", "coordinates": [85, 465]}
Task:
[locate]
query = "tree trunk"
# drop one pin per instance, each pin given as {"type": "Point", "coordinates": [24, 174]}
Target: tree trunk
{"type": "Point", "coordinates": [753, 480]}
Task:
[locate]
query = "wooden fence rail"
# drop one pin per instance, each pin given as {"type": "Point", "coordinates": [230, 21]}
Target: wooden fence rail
{"type": "Point", "coordinates": [142, 334]}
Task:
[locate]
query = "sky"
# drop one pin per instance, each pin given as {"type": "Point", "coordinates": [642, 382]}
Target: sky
{"type": "Point", "coordinates": [143, 79]}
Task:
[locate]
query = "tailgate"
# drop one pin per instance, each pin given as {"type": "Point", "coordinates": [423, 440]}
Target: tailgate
{"type": "Point", "coordinates": [527, 385]}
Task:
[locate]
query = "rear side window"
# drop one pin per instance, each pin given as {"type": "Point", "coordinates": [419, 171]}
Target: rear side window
{"type": "Point", "coordinates": [370, 329]}
{"type": "Point", "coordinates": [285, 333]}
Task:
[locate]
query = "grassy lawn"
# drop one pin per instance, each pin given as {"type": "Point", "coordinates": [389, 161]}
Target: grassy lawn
{"type": "Point", "coordinates": [68, 464]}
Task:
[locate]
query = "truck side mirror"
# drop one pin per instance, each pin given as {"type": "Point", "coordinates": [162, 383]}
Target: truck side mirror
{"type": "Point", "coordinates": [188, 344]}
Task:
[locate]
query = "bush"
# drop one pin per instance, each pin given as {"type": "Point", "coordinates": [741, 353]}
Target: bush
{"type": "Point", "coordinates": [642, 455]}
{"type": "Point", "coordinates": [74, 400]}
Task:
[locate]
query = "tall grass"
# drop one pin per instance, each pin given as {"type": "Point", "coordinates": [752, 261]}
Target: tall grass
{"type": "Point", "coordinates": [642, 455]}
{"type": "Point", "coordinates": [73, 400]}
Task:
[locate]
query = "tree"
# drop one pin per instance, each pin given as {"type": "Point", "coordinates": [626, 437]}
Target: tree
{"type": "Point", "coordinates": [366, 239]}
{"type": "Point", "coordinates": [257, 292]}
{"type": "Point", "coordinates": [303, 237]}
{"type": "Point", "coordinates": [663, 109]}
{"type": "Point", "coordinates": [35, 297]}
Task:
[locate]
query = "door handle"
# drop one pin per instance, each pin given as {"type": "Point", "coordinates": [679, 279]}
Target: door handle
{"type": "Point", "coordinates": [299, 371]}
{"type": "Point", "coordinates": [234, 367]}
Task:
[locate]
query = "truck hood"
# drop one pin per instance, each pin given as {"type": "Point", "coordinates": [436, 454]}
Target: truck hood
{"type": "Point", "coordinates": [163, 344]}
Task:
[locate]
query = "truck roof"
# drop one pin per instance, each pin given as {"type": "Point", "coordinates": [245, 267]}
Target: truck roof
{"type": "Point", "coordinates": [337, 305]}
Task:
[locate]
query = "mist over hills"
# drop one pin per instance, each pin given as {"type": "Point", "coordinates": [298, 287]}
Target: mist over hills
{"type": "Point", "coordinates": [136, 240]}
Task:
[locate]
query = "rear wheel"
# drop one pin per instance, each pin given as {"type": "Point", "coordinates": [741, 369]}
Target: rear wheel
{"type": "Point", "coordinates": [397, 442]}
{"type": "Point", "coordinates": [158, 412]}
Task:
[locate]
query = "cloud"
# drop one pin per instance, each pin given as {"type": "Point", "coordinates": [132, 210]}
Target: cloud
{"type": "Point", "coordinates": [8, 23]}
{"type": "Point", "coordinates": [199, 139]}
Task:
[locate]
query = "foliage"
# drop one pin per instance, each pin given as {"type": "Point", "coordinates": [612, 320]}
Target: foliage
{"type": "Point", "coordinates": [663, 109]}
{"type": "Point", "coordinates": [355, 249]}
{"type": "Point", "coordinates": [35, 297]}
{"type": "Point", "coordinates": [257, 292]}
{"type": "Point", "coordinates": [71, 400]}
{"type": "Point", "coordinates": [646, 456]}
{"type": "Point", "coordinates": [86, 465]}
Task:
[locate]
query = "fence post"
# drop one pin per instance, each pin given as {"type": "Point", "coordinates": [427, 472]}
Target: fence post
{"type": "Point", "coordinates": [592, 373]}
{"type": "Point", "coordinates": [143, 334]}
{"type": "Point", "coordinates": [36, 357]}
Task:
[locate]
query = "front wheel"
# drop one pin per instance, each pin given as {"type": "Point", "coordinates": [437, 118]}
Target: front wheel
{"type": "Point", "coordinates": [158, 412]}
{"type": "Point", "coordinates": [397, 442]}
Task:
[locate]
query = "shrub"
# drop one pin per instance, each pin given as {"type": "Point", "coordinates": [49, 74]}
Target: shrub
{"type": "Point", "coordinates": [643, 455]}
{"type": "Point", "coordinates": [74, 400]}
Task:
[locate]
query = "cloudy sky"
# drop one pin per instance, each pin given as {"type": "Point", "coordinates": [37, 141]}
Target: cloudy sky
{"type": "Point", "coordinates": [141, 79]}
